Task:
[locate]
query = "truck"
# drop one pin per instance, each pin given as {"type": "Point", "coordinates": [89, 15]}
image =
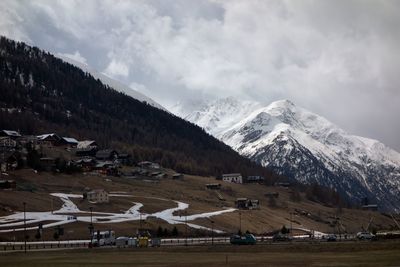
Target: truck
{"type": "Point", "coordinates": [103, 238]}
{"type": "Point", "coordinates": [123, 241]}
{"type": "Point", "coordinates": [247, 239]}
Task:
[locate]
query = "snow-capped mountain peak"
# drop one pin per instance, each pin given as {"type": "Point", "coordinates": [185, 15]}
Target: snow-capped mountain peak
{"type": "Point", "coordinates": [215, 117]}
{"type": "Point", "coordinates": [307, 147]}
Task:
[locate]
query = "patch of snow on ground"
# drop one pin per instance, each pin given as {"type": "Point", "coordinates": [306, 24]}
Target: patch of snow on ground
{"type": "Point", "coordinates": [15, 222]}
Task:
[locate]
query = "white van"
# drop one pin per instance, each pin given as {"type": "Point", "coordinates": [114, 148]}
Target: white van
{"type": "Point", "coordinates": [103, 238]}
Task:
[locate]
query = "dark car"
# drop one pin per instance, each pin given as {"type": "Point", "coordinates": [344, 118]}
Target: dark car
{"type": "Point", "coordinates": [331, 238]}
{"type": "Point", "coordinates": [281, 237]}
{"type": "Point", "coordinates": [247, 239]}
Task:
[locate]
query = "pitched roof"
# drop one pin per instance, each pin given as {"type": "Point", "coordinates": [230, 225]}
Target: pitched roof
{"type": "Point", "coordinates": [45, 136]}
{"type": "Point", "coordinates": [11, 133]}
{"type": "Point", "coordinates": [86, 143]}
{"type": "Point", "coordinates": [70, 140]}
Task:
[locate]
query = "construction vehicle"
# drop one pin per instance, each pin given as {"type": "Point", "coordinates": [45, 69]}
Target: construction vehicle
{"type": "Point", "coordinates": [143, 241]}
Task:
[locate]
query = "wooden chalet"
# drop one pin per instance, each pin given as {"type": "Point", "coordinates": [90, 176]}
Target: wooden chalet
{"type": "Point", "coordinates": [245, 203]}
{"type": "Point", "coordinates": [51, 139]}
{"type": "Point", "coordinates": [213, 186]}
{"type": "Point", "coordinates": [255, 179]}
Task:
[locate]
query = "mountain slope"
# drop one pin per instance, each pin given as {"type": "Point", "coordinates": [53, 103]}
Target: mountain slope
{"type": "Point", "coordinates": [41, 93]}
{"type": "Point", "coordinates": [120, 87]}
{"type": "Point", "coordinates": [302, 145]}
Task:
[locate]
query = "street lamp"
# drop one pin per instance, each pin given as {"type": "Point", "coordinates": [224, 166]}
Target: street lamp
{"type": "Point", "coordinates": [91, 224]}
{"type": "Point", "coordinates": [212, 232]}
{"type": "Point", "coordinates": [25, 224]}
{"type": "Point", "coordinates": [140, 222]}
{"type": "Point", "coordinates": [291, 225]}
{"type": "Point", "coordinates": [186, 227]}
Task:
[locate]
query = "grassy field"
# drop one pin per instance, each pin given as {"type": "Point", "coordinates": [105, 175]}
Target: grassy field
{"type": "Point", "coordinates": [191, 190]}
{"type": "Point", "coordinates": [327, 254]}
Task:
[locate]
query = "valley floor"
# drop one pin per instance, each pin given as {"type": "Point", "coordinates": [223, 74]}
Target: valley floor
{"type": "Point", "coordinates": [380, 253]}
{"type": "Point", "coordinates": [126, 216]}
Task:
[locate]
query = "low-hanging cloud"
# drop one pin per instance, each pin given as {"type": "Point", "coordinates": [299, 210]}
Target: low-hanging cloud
{"type": "Point", "coordinates": [336, 58]}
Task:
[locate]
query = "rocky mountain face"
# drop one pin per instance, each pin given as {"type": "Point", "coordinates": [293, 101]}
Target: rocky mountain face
{"type": "Point", "coordinates": [305, 146]}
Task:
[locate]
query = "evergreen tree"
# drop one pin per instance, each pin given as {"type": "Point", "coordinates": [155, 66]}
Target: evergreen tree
{"type": "Point", "coordinates": [175, 231]}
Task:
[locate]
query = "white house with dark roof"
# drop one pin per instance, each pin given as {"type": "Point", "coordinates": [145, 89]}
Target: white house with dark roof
{"type": "Point", "coordinates": [98, 196]}
{"type": "Point", "coordinates": [232, 178]}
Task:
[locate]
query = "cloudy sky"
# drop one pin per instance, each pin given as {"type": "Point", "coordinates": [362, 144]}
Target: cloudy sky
{"type": "Point", "coordinates": [340, 59]}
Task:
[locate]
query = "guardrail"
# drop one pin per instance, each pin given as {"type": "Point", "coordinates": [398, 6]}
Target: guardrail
{"type": "Point", "coordinates": [190, 241]}
{"type": "Point", "coordinates": [7, 246]}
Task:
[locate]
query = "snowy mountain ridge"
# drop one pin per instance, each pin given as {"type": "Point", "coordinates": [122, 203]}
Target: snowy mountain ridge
{"type": "Point", "coordinates": [307, 147]}
{"type": "Point", "coordinates": [116, 85]}
{"type": "Point", "coordinates": [221, 114]}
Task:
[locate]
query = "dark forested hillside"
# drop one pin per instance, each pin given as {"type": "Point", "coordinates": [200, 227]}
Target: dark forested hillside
{"type": "Point", "coordinates": [40, 93]}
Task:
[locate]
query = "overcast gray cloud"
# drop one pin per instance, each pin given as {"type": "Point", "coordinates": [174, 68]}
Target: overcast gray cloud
{"type": "Point", "coordinates": [337, 58]}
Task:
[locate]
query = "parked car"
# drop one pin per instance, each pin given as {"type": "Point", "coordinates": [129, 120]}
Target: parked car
{"type": "Point", "coordinates": [331, 238]}
{"type": "Point", "coordinates": [247, 239]}
{"type": "Point", "coordinates": [365, 236]}
{"type": "Point", "coordinates": [281, 237]}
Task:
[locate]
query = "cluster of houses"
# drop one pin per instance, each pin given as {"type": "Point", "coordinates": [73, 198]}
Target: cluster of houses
{"type": "Point", "coordinates": [85, 155]}
{"type": "Point", "coordinates": [240, 203]}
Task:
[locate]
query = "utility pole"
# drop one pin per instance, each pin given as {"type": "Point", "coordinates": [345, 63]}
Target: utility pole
{"type": "Point", "coordinates": [186, 228]}
{"type": "Point", "coordinates": [338, 226]}
{"type": "Point", "coordinates": [91, 225]}
{"type": "Point", "coordinates": [291, 225]}
{"type": "Point", "coordinates": [240, 222]}
{"type": "Point", "coordinates": [25, 225]}
{"type": "Point", "coordinates": [140, 222]}
{"type": "Point", "coordinates": [91, 215]}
